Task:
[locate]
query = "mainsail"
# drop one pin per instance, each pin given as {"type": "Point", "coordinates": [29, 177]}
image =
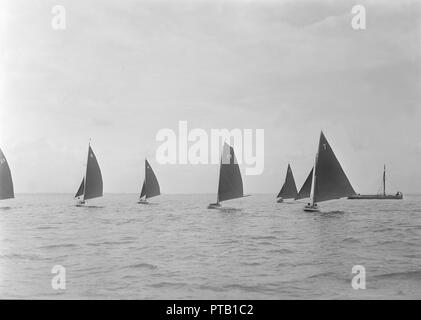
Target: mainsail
{"type": "Point", "coordinates": [6, 182]}
{"type": "Point", "coordinates": [91, 186]}
{"type": "Point", "coordinates": [289, 189]}
{"type": "Point", "coordinates": [306, 188]}
{"type": "Point", "coordinates": [150, 186]}
{"type": "Point", "coordinates": [330, 181]}
{"type": "Point", "coordinates": [230, 181]}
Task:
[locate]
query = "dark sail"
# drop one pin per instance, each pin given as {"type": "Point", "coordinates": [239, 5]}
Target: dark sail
{"type": "Point", "coordinates": [81, 189]}
{"type": "Point", "coordinates": [230, 181]}
{"type": "Point", "coordinates": [330, 179]}
{"type": "Point", "coordinates": [93, 183]}
{"type": "Point", "coordinates": [289, 189]}
{"type": "Point", "coordinates": [6, 182]}
{"type": "Point", "coordinates": [150, 185]}
{"type": "Point", "coordinates": [143, 192]}
{"type": "Point", "coordinates": [306, 188]}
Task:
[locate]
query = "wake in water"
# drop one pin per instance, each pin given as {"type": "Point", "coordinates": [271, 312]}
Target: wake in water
{"type": "Point", "coordinates": [89, 207]}
{"type": "Point", "coordinates": [408, 275]}
{"type": "Point", "coordinates": [229, 210]}
{"type": "Point", "coordinates": [334, 212]}
{"type": "Point", "coordinates": [142, 266]}
{"type": "Point", "coordinates": [327, 214]}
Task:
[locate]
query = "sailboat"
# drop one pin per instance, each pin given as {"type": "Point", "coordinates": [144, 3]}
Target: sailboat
{"type": "Point", "coordinates": [289, 189]}
{"type": "Point", "coordinates": [380, 196]}
{"type": "Point", "coordinates": [329, 181]}
{"type": "Point", "coordinates": [230, 182]}
{"type": "Point", "coordinates": [306, 188]}
{"type": "Point", "coordinates": [6, 182]}
{"type": "Point", "coordinates": [91, 186]}
{"type": "Point", "coordinates": [150, 186]}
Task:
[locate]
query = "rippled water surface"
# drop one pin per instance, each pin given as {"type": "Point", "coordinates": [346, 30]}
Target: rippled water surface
{"type": "Point", "coordinates": [178, 249]}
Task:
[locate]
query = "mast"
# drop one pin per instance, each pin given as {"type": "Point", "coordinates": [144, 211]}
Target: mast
{"type": "Point", "coordinates": [86, 171]}
{"type": "Point", "coordinates": [146, 194]}
{"type": "Point", "coordinates": [219, 176]}
{"type": "Point", "coordinates": [384, 180]}
{"type": "Point", "coordinates": [313, 182]}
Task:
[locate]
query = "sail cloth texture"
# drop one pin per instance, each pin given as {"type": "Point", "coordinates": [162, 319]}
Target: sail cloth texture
{"type": "Point", "coordinates": [306, 188]}
{"type": "Point", "coordinates": [289, 189]}
{"type": "Point", "coordinates": [143, 192]}
{"type": "Point", "coordinates": [91, 186]}
{"type": "Point", "coordinates": [331, 181]}
{"type": "Point", "coordinates": [230, 181]}
{"type": "Point", "coordinates": [6, 182]}
{"type": "Point", "coordinates": [150, 186]}
{"type": "Point", "coordinates": [81, 189]}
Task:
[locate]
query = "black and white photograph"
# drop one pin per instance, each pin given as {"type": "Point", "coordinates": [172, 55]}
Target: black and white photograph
{"type": "Point", "coordinates": [217, 150]}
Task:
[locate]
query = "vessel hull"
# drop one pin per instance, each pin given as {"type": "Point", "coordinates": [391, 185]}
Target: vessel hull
{"type": "Point", "coordinates": [311, 208]}
{"type": "Point", "coordinates": [376, 197]}
{"type": "Point", "coordinates": [214, 206]}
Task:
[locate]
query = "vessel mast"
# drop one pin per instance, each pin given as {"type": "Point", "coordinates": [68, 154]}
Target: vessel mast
{"type": "Point", "coordinates": [384, 180]}
{"type": "Point", "coordinates": [313, 182]}
{"type": "Point", "coordinates": [86, 171]}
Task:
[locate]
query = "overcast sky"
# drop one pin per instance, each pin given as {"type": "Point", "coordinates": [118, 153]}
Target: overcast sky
{"type": "Point", "coordinates": [122, 70]}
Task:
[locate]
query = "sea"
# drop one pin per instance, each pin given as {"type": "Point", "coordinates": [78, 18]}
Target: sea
{"type": "Point", "coordinates": [176, 248]}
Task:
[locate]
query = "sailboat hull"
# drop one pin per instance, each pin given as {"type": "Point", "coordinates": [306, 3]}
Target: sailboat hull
{"type": "Point", "coordinates": [280, 200]}
{"type": "Point", "coordinates": [214, 206]}
{"type": "Point", "coordinates": [398, 196]}
{"type": "Point", "coordinates": [311, 208]}
{"type": "Point", "coordinates": [80, 203]}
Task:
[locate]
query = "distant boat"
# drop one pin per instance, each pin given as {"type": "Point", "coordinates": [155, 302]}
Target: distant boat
{"type": "Point", "coordinates": [150, 186]}
{"type": "Point", "coordinates": [289, 189]}
{"type": "Point", "coordinates": [6, 182]}
{"type": "Point", "coordinates": [380, 196]}
{"type": "Point", "coordinates": [91, 186]}
{"type": "Point", "coordinates": [329, 180]}
{"type": "Point", "coordinates": [306, 188]}
{"type": "Point", "coordinates": [230, 182]}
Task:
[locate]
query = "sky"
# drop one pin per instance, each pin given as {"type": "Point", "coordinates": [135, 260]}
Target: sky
{"type": "Point", "coordinates": [123, 70]}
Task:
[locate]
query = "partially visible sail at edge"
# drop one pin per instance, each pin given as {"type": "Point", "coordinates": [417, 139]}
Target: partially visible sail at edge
{"type": "Point", "coordinates": [289, 189]}
{"type": "Point", "coordinates": [230, 181]}
{"type": "Point", "coordinates": [92, 185]}
{"type": "Point", "coordinates": [306, 188]}
{"type": "Point", "coordinates": [6, 182]}
{"type": "Point", "coordinates": [150, 186]}
{"type": "Point", "coordinates": [331, 181]}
